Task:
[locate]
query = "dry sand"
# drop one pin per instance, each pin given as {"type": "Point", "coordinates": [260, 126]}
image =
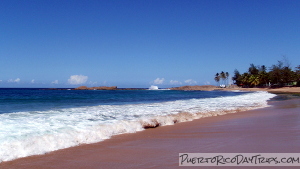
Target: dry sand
{"type": "Point", "coordinates": [274, 129]}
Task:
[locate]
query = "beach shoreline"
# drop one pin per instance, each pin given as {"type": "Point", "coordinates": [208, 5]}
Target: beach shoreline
{"type": "Point", "coordinates": [279, 90]}
{"type": "Point", "coordinates": [251, 131]}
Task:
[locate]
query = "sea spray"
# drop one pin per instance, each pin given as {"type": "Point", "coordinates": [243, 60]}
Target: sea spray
{"type": "Point", "coordinates": [37, 132]}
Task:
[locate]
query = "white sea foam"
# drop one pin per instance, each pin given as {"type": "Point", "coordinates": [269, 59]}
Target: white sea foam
{"type": "Point", "coordinates": [152, 87]}
{"type": "Point", "coordinates": [29, 133]}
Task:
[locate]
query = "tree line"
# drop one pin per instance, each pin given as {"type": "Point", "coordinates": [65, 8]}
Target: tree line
{"type": "Point", "coordinates": [280, 74]}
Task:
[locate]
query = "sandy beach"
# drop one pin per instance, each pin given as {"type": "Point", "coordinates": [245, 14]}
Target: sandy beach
{"type": "Point", "coordinates": [275, 129]}
{"type": "Point", "coordinates": [272, 90]}
{"type": "Point", "coordinates": [135, 84]}
{"type": "Point", "coordinates": [211, 88]}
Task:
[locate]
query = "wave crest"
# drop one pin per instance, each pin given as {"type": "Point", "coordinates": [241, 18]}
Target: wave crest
{"type": "Point", "coordinates": [32, 133]}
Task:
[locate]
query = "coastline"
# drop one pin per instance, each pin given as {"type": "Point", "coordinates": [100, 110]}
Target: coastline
{"type": "Point", "coordinates": [267, 130]}
{"type": "Point", "coordinates": [281, 90]}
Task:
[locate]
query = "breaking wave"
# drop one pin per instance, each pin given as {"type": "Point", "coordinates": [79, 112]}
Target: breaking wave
{"type": "Point", "coordinates": [37, 132]}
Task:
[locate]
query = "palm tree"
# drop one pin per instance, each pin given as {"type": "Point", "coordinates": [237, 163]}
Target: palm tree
{"type": "Point", "coordinates": [254, 80]}
{"type": "Point", "coordinates": [276, 73]}
{"type": "Point", "coordinates": [288, 75]}
{"type": "Point", "coordinates": [223, 76]}
{"type": "Point", "coordinates": [237, 78]}
{"type": "Point", "coordinates": [217, 78]}
{"type": "Point", "coordinates": [227, 75]}
{"type": "Point", "coordinates": [264, 76]}
{"type": "Point", "coordinates": [245, 79]}
{"type": "Point", "coordinates": [253, 69]}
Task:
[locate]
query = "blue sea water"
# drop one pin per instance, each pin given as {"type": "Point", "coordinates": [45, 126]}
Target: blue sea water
{"type": "Point", "coordinates": [31, 99]}
{"type": "Point", "coordinates": [36, 121]}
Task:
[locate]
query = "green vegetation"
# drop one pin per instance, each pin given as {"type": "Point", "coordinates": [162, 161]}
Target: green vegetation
{"type": "Point", "coordinates": [279, 75]}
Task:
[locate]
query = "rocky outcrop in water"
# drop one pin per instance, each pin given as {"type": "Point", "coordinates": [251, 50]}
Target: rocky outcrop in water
{"type": "Point", "coordinates": [96, 88]}
{"type": "Point", "coordinates": [204, 87]}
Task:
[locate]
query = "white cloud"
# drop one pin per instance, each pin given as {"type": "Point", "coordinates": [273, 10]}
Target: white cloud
{"type": "Point", "coordinates": [190, 81]}
{"type": "Point", "coordinates": [77, 79]}
{"type": "Point", "coordinates": [159, 81]}
{"type": "Point", "coordinates": [17, 80]}
{"type": "Point", "coordinates": [175, 82]}
{"type": "Point", "coordinates": [55, 82]}
{"type": "Point", "coordinates": [32, 81]}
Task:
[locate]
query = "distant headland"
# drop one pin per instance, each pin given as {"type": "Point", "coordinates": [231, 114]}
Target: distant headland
{"type": "Point", "coordinates": [106, 88]}
{"type": "Point", "coordinates": [198, 88]}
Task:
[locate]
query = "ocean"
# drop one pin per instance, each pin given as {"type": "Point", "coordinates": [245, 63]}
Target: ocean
{"type": "Point", "coordinates": [37, 121]}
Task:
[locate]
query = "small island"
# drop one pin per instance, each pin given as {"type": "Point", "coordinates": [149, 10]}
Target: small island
{"type": "Point", "coordinates": [96, 88]}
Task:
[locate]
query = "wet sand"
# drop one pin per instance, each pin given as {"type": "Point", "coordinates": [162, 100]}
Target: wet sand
{"type": "Point", "coordinates": [274, 129]}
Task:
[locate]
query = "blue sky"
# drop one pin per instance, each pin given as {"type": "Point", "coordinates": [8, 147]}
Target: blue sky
{"type": "Point", "coordinates": [139, 43]}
